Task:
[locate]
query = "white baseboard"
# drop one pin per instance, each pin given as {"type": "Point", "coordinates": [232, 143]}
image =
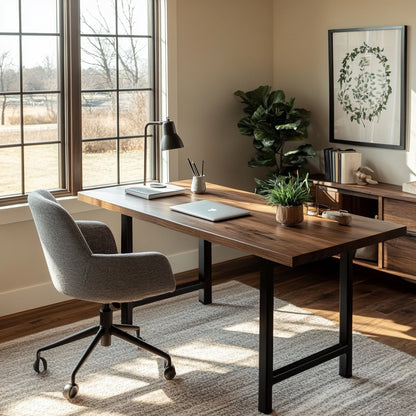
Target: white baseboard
{"type": "Point", "coordinates": [29, 298]}
{"type": "Point", "coordinates": [45, 294]}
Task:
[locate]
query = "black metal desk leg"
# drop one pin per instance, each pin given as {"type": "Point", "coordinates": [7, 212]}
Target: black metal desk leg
{"type": "Point", "coordinates": [126, 247]}
{"type": "Point", "coordinates": [205, 271]}
{"type": "Point", "coordinates": [126, 234]}
{"type": "Point", "coordinates": [345, 313]}
{"type": "Point", "coordinates": [266, 337]}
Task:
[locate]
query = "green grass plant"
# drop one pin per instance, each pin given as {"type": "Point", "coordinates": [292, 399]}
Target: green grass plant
{"type": "Point", "coordinates": [289, 191]}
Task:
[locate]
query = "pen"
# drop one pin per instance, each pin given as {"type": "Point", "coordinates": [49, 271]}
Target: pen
{"type": "Point", "coordinates": [196, 169]}
{"type": "Point", "coordinates": [202, 169]}
{"type": "Point", "coordinates": [192, 168]}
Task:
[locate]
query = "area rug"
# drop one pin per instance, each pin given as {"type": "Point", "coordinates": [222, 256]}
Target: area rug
{"type": "Point", "coordinates": [215, 352]}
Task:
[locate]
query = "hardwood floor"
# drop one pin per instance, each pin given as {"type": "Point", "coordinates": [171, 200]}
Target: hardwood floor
{"type": "Point", "coordinates": [384, 305]}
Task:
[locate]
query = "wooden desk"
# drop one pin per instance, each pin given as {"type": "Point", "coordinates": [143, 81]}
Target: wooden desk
{"type": "Point", "coordinates": [259, 234]}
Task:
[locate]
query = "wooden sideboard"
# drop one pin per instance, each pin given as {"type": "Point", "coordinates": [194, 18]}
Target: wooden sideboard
{"type": "Point", "coordinates": [386, 202]}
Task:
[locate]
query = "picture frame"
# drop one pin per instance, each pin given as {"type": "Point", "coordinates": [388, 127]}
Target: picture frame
{"type": "Point", "coordinates": [367, 86]}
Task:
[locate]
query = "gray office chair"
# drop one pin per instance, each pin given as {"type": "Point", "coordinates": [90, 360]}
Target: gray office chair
{"type": "Point", "coordinates": [83, 263]}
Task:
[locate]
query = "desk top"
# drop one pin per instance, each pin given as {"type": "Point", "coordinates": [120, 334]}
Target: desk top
{"type": "Point", "coordinates": [259, 234]}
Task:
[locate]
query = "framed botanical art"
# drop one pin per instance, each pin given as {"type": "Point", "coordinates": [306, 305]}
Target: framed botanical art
{"type": "Point", "coordinates": [367, 86]}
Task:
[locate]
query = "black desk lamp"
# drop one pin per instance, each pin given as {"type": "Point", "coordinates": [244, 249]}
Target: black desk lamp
{"type": "Point", "coordinates": [170, 141]}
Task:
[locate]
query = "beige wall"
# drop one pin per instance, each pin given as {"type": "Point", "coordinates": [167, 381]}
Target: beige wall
{"type": "Point", "coordinates": [215, 48]}
{"type": "Point", "coordinates": [223, 46]}
{"type": "Point", "coordinates": [301, 67]}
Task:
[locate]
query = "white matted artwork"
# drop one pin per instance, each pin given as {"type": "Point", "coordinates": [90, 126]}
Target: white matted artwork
{"type": "Point", "coordinates": [367, 72]}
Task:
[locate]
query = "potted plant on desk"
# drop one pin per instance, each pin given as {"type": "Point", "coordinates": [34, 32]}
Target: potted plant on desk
{"type": "Point", "coordinates": [289, 195]}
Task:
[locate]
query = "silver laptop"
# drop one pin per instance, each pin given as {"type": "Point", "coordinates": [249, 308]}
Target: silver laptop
{"type": "Point", "coordinates": [209, 210]}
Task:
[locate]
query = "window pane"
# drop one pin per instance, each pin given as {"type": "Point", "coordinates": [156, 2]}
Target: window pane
{"type": "Point", "coordinates": [98, 17]}
{"type": "Point", "coordinates": [134, 112]}
{"type": "Point", "coordinates": [134, 63]}
{"type": "Point", "coordinates": [133, 17]}
{"type": "Point", "coordinates": [131, 160]}
{"type": "Point", "coordinates": [40, 63]}
{"type": "Point", "coordinates": [40, 16]}
{"type": "Point", "coordinates": [99, 115]}
{"type": "Point", "coordinates": [9, 63]}
{"type": "Point", "coordinates": [99, 163]}
{"type": "Point", "coordinates": [9, 119]}
{"type": "Point", "coordinates": [10, 168]}
{"type": "Point", "coordinates": [40, 115]}
{"type": "Point", "coordinates": [42, 167]}
{"type": "Point", "coordinates": [98, 63]}
{"type": "Point", "coordinates": [9, 16]}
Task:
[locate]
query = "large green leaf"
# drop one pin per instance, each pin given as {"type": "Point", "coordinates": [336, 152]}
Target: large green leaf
{"type": "Point", "coordinates": [272, 121]}
{"type": "Point", "coordinates": [246, 126]}
{"type": "Point", "coordinates": [276, 97]}
{"type": "Point", "coordinates": [258, 114]}
{"type": "Point", "coordinates": [289, 126]}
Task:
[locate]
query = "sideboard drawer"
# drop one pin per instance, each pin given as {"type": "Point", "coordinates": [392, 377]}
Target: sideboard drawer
{"type": "Point", "coordinates": [400, 212]}
{"type": "Point", "coordinates": [400, 254]}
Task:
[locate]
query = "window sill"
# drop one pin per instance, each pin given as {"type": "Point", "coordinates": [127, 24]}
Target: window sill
{"type": "Point", "coordinates": [21, 212]}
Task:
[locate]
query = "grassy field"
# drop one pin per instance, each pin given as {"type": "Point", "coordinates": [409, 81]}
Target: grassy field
{"type": "Point", "coordinates": [42, 161]}
{"type": "Point", "coordinates": [41, 167]}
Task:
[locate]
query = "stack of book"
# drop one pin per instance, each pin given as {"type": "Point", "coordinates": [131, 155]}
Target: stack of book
{"type": "Point", "coordinates": [340, 165]}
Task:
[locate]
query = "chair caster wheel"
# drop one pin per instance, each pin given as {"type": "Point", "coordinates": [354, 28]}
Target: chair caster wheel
{"type": "Point", "coordinates": [36, 365]}
{"type": "Point", "coordinates": [169, 372]}
{"type": "Point", "coordinates": [70, 391]}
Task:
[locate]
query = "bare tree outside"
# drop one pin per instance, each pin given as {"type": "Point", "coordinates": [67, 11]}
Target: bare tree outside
{"type": "Point", "coordinates": [111, 61]}
{"type": "Point", "coordinates": [117, 93]}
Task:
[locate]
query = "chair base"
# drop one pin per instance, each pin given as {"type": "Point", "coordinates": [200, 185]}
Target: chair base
{"type": "Point", "coordinates": [103, 332]}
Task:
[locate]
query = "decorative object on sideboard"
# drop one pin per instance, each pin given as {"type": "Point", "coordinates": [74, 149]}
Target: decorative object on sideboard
{"type": "Point", "coordinates": [409, 187]}
{"type": "Point", "coordinates": [342, 217]}
{"type": "Point", "coordinates": [288, 196]}
{"type": "Point", "coordinates": [364, 175]}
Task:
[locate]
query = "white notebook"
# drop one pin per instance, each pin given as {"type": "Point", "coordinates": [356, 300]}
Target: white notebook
{"type": "Point", "coordinates": [151, 192]}
{"type": "Point", "coordinates": [209, 210]}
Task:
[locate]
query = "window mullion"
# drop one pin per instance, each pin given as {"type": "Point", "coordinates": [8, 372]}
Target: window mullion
{"type": "Point", "coordinates": [73, 95]}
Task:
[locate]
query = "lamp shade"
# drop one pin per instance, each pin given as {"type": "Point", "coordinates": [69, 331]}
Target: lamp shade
{"type": "Point", "coordinates": [170, 139]}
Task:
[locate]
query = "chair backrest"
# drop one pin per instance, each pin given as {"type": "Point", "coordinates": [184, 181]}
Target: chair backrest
{"type": "Point", "coordinates": [65, 248]}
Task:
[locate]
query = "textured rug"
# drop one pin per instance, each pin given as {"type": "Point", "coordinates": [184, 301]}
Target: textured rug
{"type": "Point", "coordinates": [214, 349]}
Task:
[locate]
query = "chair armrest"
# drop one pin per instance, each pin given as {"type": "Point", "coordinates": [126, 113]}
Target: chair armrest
{"type": "Point", "coordinates": [98, 236]}
{"type": "Point", "coordinates": [126, 277]}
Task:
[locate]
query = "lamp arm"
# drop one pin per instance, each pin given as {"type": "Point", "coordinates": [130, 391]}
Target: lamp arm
{"type": "Point", "coordinates": [150, 123]}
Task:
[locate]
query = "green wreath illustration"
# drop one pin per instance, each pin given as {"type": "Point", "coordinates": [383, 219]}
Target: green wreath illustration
{"type": "Point", "coordinates": [363, 93]}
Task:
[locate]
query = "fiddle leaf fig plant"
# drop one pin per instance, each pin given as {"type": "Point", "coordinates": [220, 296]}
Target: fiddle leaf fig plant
{"type": "Point", "coordinates": [272, 121]}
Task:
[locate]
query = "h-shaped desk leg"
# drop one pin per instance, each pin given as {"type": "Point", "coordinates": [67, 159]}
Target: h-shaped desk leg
{"type": "Point", "coordinates": [345, 312]}
{"type": "Point", "coordinates": [266, 337]}
{"type": "Point", "coordinates": [126, 247]}
{"type": "Point", "coordinates": [205, 271]}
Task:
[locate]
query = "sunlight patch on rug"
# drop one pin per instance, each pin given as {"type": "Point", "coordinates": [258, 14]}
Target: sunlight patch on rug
{"type": "Point", "coordinates": [215, 351]}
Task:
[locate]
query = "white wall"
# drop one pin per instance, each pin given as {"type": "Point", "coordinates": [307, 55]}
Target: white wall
{"type": "Point", "coordinates": [216, 47]}
{"type": "Point", "coordinates": [301, 68]}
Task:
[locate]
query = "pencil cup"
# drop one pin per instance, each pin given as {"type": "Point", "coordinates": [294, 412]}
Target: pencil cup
{"type": "Point", "coordinates": [198, 185]}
